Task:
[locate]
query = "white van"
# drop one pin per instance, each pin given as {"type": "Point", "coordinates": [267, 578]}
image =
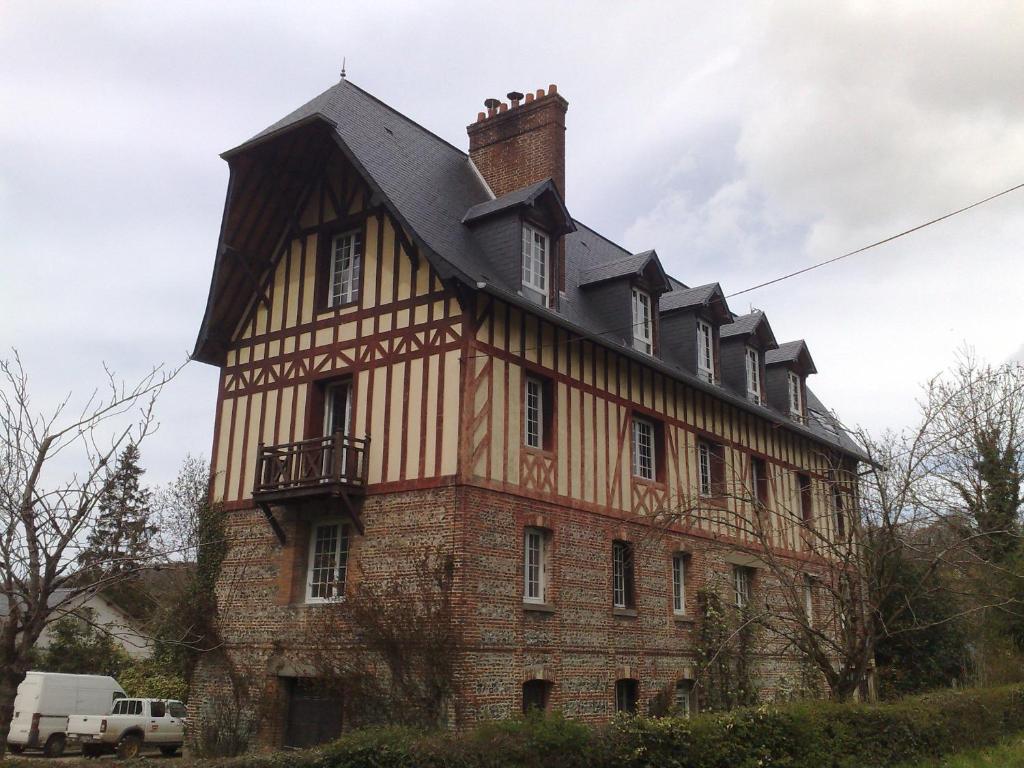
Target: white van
{"type": "Point", "coordinates": [44, 701]}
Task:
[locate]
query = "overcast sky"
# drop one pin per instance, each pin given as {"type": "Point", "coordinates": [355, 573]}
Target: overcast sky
{"type": "Point", "coordinates": [740, 141]}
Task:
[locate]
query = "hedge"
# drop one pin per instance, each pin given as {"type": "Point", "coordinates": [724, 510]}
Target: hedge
{"type": "Point", "coordinates": [810, 735]}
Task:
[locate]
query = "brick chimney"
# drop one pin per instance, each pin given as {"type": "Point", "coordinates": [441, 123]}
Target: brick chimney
{"type": "Point", "coordinates": [514, 145]}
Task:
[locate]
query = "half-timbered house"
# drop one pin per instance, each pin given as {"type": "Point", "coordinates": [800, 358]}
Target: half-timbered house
{"type": "Point", "coordinates": [421, 349]}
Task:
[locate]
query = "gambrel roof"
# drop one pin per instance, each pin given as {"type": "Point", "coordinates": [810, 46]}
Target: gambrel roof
{"type": "Point", "coordinates": [433, 193]}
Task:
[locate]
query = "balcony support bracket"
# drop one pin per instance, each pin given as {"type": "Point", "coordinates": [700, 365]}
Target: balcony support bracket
{"type": "Point", "coordinates": [272, 521]}
{"type": "Point", "coordinates": [353, 513]}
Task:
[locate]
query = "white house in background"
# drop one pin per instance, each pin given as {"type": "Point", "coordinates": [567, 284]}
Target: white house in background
{"type": "Point", "coordinates": [104, 614]}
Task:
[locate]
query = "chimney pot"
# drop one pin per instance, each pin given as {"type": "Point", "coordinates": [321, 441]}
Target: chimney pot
{"type": "Point", "coordinates": [552, 89]}
{"type": "Point", "coordinates": [525, 146]}
{"type": "Point", "coordinates": [480, 117]}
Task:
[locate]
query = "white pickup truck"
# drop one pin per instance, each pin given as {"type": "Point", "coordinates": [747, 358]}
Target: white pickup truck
{"type": "Point", "coordinates": [131, 724]}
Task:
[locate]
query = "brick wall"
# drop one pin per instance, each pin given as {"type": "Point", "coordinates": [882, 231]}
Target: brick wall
{"type": "Point", "coordinates": [518, 145]}
{"type": "Point", "coordinates": [577, 642]}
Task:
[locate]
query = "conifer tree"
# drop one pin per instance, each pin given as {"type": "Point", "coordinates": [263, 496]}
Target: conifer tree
{"type": "Point", "coordinates": [121, 540]}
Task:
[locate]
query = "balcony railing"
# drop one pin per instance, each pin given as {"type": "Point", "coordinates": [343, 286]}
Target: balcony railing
{"type": "Point", "coordinates": [322, 466]}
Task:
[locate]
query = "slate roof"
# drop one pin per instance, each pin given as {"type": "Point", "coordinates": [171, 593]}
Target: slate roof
{"type": "Point", "coordinates": [689, 297]}
{"type": "Point", "coordinates": [525, 196]}
{"type": "Point", "coordinates": [742, 325]}
{"type": "Point", "coordinates": [789, 352]}
{"type": "Point", "coordinates": [633, 264]}
{"type": "Point", "coordinates": [434, 189]}
{"type": "Point", "coordinates": [430, 183]}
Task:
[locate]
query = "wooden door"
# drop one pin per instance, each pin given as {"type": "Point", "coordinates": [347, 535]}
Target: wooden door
{"type": "Point", "coordinates": [314, 714]}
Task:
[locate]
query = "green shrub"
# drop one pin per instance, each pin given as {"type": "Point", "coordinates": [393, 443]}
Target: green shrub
{"type": "Point", "coordinates": [804, 735]}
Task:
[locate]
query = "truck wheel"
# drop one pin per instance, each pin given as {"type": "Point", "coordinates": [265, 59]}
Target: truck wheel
{"type": "Point", "coordinates": [129, 747]}
{"type": "Point", "coordinates": [170, 750]}
{"type": "Point", "coordinates": [55, 745]}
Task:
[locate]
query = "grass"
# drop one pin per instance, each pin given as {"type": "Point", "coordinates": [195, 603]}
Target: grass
{"type": "Point", "coordinates": [1007, 755]}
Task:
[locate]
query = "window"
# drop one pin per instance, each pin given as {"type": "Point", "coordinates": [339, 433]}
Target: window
{"type": "Point", "coordinates": [796, 396]}
{"type": "Point", "coordinates": [753, 359]}
{"type": "Point", "coordinates": [683, 698]}
{"type": "Point", "coordinates": [127, 707]}
{"type": "Point", "coordinates": [806, 500]}
{"type": "Point", "coordinates": [710, 468]}
{"type": "Point", "coordinates": [535, 413]}
{"type": "Point", "coordinates": [328, 562]}
{"type": "Point", "coordinates": [643, 449]}
{"type": "Point", "coordinates": [837, 508]}
{"type": "Point", "coordinates": [536, 694]}
{"type": "Point", "coordinates": [534, 566]}
{"type": "Point", "coordinates": [741, 578]}
{"type": "Point", "coordinates": [679, 584]}
{"type": "Point", "coordinates": [809, 599]}
{"type": "Point", "coordinates": [346, 258]}
{"type": "Point", "coordinates": [759, 481]}
{"type": "Point", "coordinates": [705, 351]}
{"type": "Point", "coordinates": [177, 709]}
{"type": "Point", "coordinates": [622, 575]}
{"type": "Point", "coordinates": [157, 709]}
{"type": "Point", "coordinates": [643, 331]}
{"type": "Point", "coordinates": [535, 260]}
{"type": "Point", "coordinates": [626, 695]}
{"type": "Point", "coordinates": [337, 408]}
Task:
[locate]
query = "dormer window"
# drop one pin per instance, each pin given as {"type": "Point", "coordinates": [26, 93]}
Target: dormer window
{"type": "Point", "coordinates": [705, 351]}
{"type": "Point", "coordinates": [753, 359]}
{"type": "Point", "coordinates": [535, 260]}
{"type": "Point", "coordinates": [796, 397]}
{"type": "Point", "coordinates": [643, 330]}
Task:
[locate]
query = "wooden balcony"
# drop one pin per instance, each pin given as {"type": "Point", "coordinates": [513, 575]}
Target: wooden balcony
{"type": "Point", "coordinates": [309, 470]}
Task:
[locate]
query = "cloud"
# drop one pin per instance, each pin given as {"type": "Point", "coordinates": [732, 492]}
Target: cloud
{"type": "Point", "coordinates": [741, 143]}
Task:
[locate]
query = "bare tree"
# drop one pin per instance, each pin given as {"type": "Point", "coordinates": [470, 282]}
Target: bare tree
{"type": "Point", "coordinates": [394, 645]}
{"type": "Point", "coordinates": [831, 551]}
{"type": "Point", "coordinates": [53, 470]}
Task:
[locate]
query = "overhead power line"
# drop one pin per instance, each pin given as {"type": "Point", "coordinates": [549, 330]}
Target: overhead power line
{"type": "Point", "coordinates": [876, 244]}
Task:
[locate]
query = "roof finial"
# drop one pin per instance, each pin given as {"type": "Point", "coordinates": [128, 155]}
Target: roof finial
{"type": "Point", "coordinates": [342, 67]}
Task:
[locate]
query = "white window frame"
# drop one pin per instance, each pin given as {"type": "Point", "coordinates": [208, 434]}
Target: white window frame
{"type": "Point", "coordinates": [339, 568]}
{"type": "Point", "coordinates": [809, 599]}
{"type": "Point", "coordinates": [533, 415]}
{"type": "Point", "coordinates": [620, 586]}
{"type": "Point", "coordinates": [683, 703]}
{"type": "Point", "coordinates": [536, 256]}
{"type": "Point", "coordinates": [330, 401]}
{"type": "Point", "coordinates": [705, 474]}
{"type": "Point", "coordinates": [643, 322]}
{"type": "Point", "coordinates": [759, 473]}
{"type": "Point", "coordinates": [679, 584]}
{"type": "Point", "coordinates": [839, 519]}
{"type": "Point", "coordinates": [345, 275]}
{"type": "Point", "coordinates": [534, 565]}
{"type": "Point", "coordinates": [796, 396]}
{"type": "Point", "coordinates": [741, 585]}
{"type": "Point", "coordinates": [643, 437]}
{"type": "Point", "coordinates": [753, 365]}
{"type": "Point", "coordinates": [706, 351]}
